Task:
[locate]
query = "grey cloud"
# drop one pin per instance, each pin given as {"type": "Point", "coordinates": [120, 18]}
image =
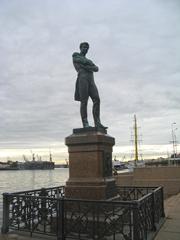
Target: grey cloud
{"type": "Point", "coordinates": [135, 44]}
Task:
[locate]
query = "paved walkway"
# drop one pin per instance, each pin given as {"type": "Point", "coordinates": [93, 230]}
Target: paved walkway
{"type": "Point", "coordinates": [171, 228]}
{"type": "Point", "coordinates": [169, 231]}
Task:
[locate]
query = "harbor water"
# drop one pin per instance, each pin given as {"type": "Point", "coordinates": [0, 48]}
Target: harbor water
{"type": "Point", "coordinates": [20, 180]}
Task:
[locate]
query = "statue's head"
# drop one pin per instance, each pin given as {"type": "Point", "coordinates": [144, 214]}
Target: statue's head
{"type": "Point", "coordinates": [84, 46]}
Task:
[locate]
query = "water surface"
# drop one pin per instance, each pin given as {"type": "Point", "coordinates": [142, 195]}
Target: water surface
{"type": "Point", "coordinates": [19, 180]}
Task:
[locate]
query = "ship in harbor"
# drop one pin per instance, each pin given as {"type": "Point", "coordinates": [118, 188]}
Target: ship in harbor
{"type": "Point", "coordinates": [35, 164]}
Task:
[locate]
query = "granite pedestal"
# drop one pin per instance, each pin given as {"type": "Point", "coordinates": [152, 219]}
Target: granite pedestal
{"type": "Point", "coordinates": [90, 165]}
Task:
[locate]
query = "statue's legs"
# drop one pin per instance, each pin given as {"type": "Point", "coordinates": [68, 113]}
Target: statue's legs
{"type": "Point", "coordinates": [83, 111]}
{"type": "Point", "coordinates": [96, 110]}
{"type": "Point", "coordinates": [89, 89]}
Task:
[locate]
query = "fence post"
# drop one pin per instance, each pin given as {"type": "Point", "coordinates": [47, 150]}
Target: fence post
{"type": "Point", "coordinates": [43, 194]}
{"type": "Point", "coordinates": [153, 212]}
{"type": "Point", "coordinates": [135, 222]}
{"type": "Point", "coordinates": [5, 224]}
{"type": "Point", "coordinates": [60, 219]}
{"type": "Point", "coordinates": [162, 202]}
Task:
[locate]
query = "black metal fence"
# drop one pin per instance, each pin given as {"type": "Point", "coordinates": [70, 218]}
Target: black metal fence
{"type": "Point", "coordinates": [134, 215]}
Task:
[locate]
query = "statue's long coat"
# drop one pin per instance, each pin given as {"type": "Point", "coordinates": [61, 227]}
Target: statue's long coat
{"type": "Point", "coordinates": [85, 85]}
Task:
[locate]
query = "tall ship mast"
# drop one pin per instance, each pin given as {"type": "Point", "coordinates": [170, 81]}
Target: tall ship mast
{"type": "Point", "coordinates": [135, 140]}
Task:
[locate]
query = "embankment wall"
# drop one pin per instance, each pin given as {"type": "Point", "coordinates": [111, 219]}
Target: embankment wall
{"type": "Point", "coordinates": [167, 177]}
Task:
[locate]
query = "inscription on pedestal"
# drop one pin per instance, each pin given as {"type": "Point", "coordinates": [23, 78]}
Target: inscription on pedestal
{"type": "Point", "coordinates": [107, 164]}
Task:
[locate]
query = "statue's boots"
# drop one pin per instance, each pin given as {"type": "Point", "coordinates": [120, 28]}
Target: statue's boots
{"type": "Point", "coordinates": [99, 125]}
{"type": "Point", "coordinates": [85, 123]}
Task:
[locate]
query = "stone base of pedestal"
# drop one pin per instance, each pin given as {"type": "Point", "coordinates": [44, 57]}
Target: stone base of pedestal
{"type": "Point", "coordinates": [100, 190]}
{"type": "Point", "coordinates": [90, 165]}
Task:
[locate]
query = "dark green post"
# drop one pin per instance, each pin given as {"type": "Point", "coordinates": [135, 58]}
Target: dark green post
{"type": "Point", "coordinates": [60, 219]}
{"type": "Point", "coordinates": [162, 202]}
{"type": "Point", "coordinates": [153, 212]}
{"type": "Point", "coordinates": [43, 194]}
{"type": "Point", "coordinates": [135, 222]}
{"type": "Point", "coordinates": [5, 224]}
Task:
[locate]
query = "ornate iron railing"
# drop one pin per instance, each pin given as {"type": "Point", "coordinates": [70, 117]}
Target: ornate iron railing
{"type": "Point", "coordinates": [54, 192]}
{"type": "Point", "coordinates": [32, 211]}
{"type": "Point", "coordinates": [133, 216]}
{"type": "Point", "coordinates": [98, 220]}
{"type": "Point", "coordinates": [133, 193]}
{"type": "Point", "coordinates": [158, 204]}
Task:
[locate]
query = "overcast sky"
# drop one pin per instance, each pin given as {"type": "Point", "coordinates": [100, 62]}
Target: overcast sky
{"type": "Point", "coordinates": [134, 43]}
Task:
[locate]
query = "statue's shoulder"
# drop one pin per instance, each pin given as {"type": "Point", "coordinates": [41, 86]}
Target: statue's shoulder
{"type": "Point", "coordinates": [76, 54]}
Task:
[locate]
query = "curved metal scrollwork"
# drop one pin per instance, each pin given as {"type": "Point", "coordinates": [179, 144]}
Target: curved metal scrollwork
{"type": "Point", "coordinates": [133, 216]}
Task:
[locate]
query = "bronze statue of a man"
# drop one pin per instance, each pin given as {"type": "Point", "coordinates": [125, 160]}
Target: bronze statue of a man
{"type": "Point", "coordinates": [85, 85]}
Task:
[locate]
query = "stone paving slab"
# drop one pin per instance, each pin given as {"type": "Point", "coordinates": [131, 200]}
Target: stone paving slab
{"type": "Point", "coordinates": [168, 236]}
{"type": "Point", "coordinates": [171, 228]}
